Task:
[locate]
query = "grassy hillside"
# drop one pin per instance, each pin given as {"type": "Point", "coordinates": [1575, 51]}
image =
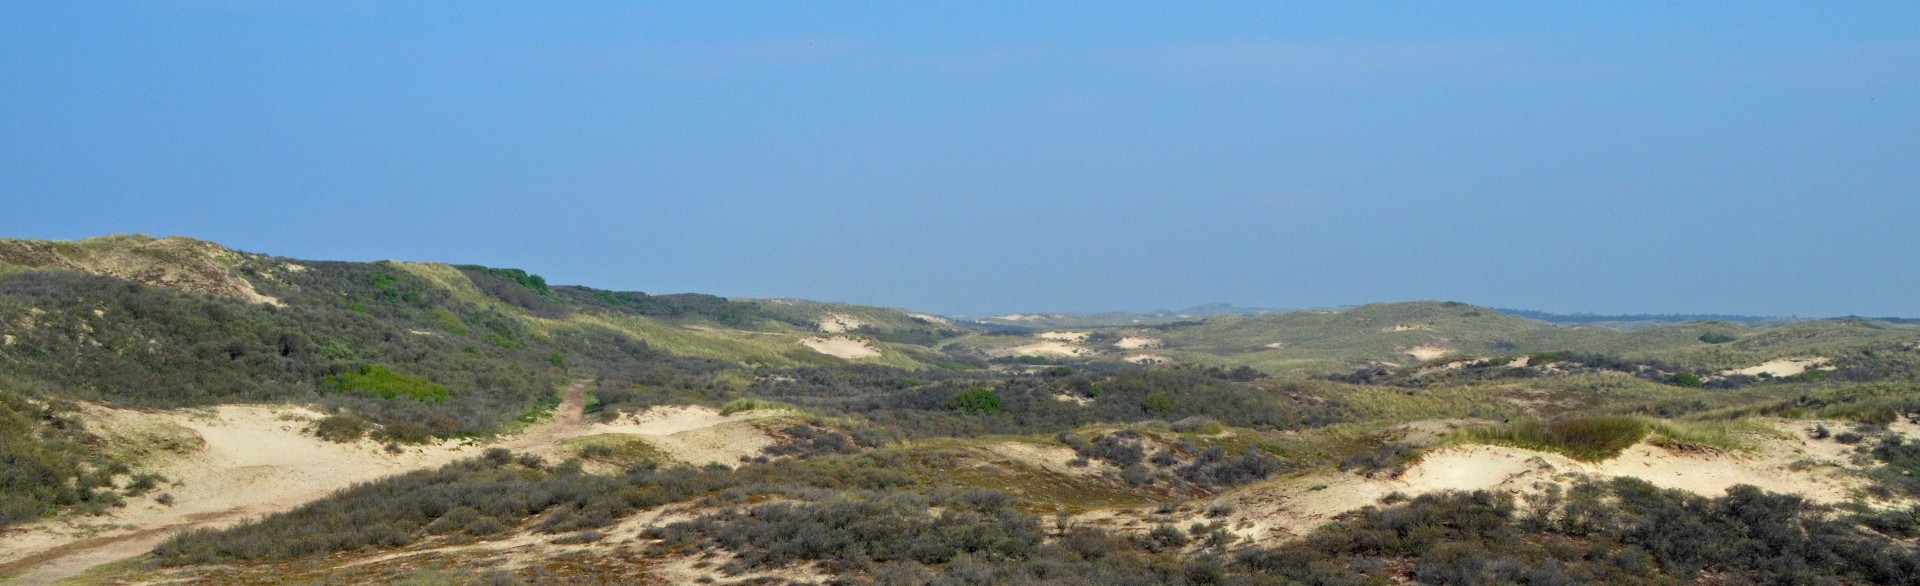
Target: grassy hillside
{"type": "Point", "coordinates": [175, 322]}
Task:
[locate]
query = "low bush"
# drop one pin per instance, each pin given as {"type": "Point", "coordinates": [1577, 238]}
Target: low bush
{"type": "Point", "coordinates": [378, 381]}
{"type": "Point", "coordinates": [974, 400]}
{"type": "Point", "coordinates": [340, 428]}
{"type": "Point", "coordinates": [1583, 438]}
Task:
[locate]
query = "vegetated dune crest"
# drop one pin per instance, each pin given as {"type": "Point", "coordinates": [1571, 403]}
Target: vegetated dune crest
{"type": "Point", "coordinates": [842, 347]}
{"type": "Point", "coordinates": [174, 262]}
{"type": "Point", "coordinates": [835, 323]}
{"type": "Point", "coordinates": [1815, 469]}
{"type": "Point", "coordinates": [930, 318]}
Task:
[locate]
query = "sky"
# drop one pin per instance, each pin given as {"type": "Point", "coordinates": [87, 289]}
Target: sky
{"type": "Point", "coordinates": [986, 157]}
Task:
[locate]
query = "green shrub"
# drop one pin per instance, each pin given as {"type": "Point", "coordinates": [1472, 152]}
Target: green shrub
{"type": "Point", "coordinates": [1197, 424]}
{"type": "Point", "coordinates": [1684, 379]}
{"type": "Point", "coordinates": [340, 428]}
{"type": "Point", "coordinates": [739, 405]}
{"type": "Point", "coordinates": [378, 381]}
{"type": "Point", "coordinates": [974, 400]}
{"type": "Point", "coordinates": [1717, 338]}
{"type": "Point", "coordinates": [1157, 402]}
{"type": "Point", "coordinates": [1589, 438]}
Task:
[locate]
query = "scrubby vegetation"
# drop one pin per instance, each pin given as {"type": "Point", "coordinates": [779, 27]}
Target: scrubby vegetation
{"type": "Point", "coordinates": [44, 462]}
{"type": "Point", "coordinates": [1583, 438]}
{"type": "Point", "coordinates": [1618, 532]}
{"type": "Point", "coordinates": [949, 464]}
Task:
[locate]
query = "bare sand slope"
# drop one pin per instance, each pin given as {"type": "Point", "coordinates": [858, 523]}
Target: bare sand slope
{"type": "Point", "coordinates": [1425, 353]}
{"type": "Point", "coordinates": [250, 461]}
{"type": "Point", "coordinates": [1049, 348]}
{"type": "Point", "coordinates": [1788, 463]}
{"type": "Point", "coordinates": [842, 347]}
{"type": "Point", "coordinates": [697, 435]}
{"type": "Point", "coordinates": [1781, 367]}
{"type": "Point", "coordinates": [1064, 336]}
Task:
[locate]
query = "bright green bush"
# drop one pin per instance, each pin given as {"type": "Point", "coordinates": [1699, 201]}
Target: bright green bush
{"type": "Point", "coordinates": [974, 400]}
{"type": "Point", "coordinates": [378, 381]}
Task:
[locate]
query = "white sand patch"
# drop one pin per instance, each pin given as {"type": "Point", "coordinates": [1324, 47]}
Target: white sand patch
{"type": "Point", "coordinates": [842, 347]}
{"type": "Point", "coordinates": [1783, 367]}
{"type": "Point", "coordinates": [696, 435]}
{"type": "Point", "coordinates": [835, 323]}
{"type": "Point", "coordinates": [1136, 343]}
{"type": "Point", "coordinates": [1050, 348]}
{"type": "Point", "coordinates": [1815, 469]}
{"type": "Point", "coordinates": [1425, 353]}
{"type": "Point", "coordinates": [1064, 336]}
{"type": "Point", "coordinates": [1148, 359]}
{"type": "Point", "coordinates": [1072, 398]}
{"type": "Point", "coordinates": [1274, 345]}
{"type": "Point", "coordinates": [1049, 458]}
{"type": "Point", "coordinates": [1018, 317]}
{"type": "Point", "coordinates": [1406, 328]}
{"type": "Point", "coordinates": [1520, 362]}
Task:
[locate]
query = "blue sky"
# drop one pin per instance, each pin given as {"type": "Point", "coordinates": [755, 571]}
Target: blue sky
{"type": "Point", "coordinates": [986, 157]}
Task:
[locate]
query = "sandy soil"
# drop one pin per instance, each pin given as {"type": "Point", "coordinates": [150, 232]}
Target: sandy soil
{"type": "Point", "coordinates": [253, 460]}
{"type": "Point", "coordinates": [1071, 398]}
{"type": "Point", "coordinates": [697, 435]}
{"type": "Point", "coordinates": [1064, 336]}
{"type": "Point", "coordinates": [1274, 345]}
{"type": "Point", "coordinates": [1781, 367]}
{"type": "Point", "coordinates": [1045, 457]}
{"type": "Point", "coordinates": [835, 323]}
{"type": "Point", "coordinates": [842, 347]}
{"type": "Point", "coordinates": [1136, 343]}
{"type": "Point", "coordinates": [1425, 353]}
{"type": "Point", "coordinates": [1148, 359]}
{"type": "Point", "coordinates": [1406, 328]}
{"type": "Point", "coordinates": [1050, 348]}
{"type": "Point", "coordinates": [1790, 463]}
{"type": "Point", "coordinates": [237, 462]}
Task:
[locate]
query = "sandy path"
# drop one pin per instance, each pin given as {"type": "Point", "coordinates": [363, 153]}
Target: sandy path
{"type": "Point", "coordinates": [254, 466]}
{"type": "Point", "coordinates": [569, 420]}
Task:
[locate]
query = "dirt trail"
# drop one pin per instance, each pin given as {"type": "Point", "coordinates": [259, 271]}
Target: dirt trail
{"type": "Point", "coordinates": [569, 420]}
{"type": "Point", "coordinates": [235, 481]}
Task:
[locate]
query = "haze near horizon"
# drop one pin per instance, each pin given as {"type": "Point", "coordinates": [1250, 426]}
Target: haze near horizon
{"type": "Point", "coordinates": [1751, 159]}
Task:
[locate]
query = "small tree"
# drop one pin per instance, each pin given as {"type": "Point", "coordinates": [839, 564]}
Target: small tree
{"type": "Point", "coordinates": [974, 400]}
{"type": "Point", "coordinates": [1684, 379]}
{"type": "Point", "coordinates": [1157, 402]}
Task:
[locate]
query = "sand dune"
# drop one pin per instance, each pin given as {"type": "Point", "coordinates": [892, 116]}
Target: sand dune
{"type": "Point", "coordinates": [842, 347]}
